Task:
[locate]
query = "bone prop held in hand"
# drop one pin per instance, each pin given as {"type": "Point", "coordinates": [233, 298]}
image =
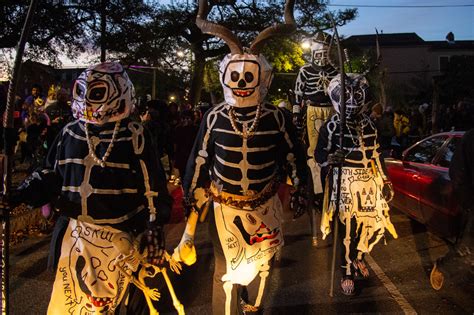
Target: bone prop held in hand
{"type": "Point", "coordinates": [186, 252]}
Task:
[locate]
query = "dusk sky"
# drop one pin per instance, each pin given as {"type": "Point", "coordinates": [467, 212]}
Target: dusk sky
{"type": "Point", "coordinates": [430, 23]}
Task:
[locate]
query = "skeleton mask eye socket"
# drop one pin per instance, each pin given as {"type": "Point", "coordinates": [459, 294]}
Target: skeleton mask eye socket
{"type": "Point", "coordinates": [97, 94]}
{"type": "Point", "coordinates": [359, 95]}
{"type": "Point", "coordinates": [234, 76]}
{"type": "Point", "coordinates": [79, 90]}
{"type": "Point", "coordinates": [248, 77]}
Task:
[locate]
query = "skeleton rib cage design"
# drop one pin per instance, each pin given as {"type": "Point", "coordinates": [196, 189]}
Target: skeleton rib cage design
{"type": "Point", "coordinates": [359, 142]}
{"type": "Point", "coordinates": [239, 165]}
{"type": "Point", "coordinates": [112, 201]}
{"type": "Point", "coordinates": [312, 83]}
{"type": "Point", "coordinates": [361, 186]}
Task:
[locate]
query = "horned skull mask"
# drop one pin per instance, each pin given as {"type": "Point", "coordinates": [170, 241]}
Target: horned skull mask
{"type": "Point", "coordinates": [103, 93]}
{"type": "Point", "coordinates": [244, 73]}
{"type": "Point", "coordinates": [245, 79]}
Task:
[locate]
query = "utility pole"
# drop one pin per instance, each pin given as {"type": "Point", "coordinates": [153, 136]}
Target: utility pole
{"type": "Point", "coordinates": [103, 29]}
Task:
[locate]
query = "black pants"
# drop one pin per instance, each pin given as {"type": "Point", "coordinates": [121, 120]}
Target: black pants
{"type": "Point", "coordinates": [458, 259]}
{"type": "Point", "coordinates": [248, 294]}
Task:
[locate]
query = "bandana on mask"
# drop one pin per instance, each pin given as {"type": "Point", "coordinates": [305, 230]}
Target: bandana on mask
{"type": "Point", "coordinates": [245, 79]}
{"type": "Point", "coordinates": [357, 94]}
{"type": "Point", "coordinates": [103, 93]}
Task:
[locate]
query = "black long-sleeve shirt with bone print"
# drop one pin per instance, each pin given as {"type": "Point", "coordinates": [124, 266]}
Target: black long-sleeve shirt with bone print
{"type": "Point", "coordinates": [131, 182]}
{"type": "Point", "coordinates": [244, 166]}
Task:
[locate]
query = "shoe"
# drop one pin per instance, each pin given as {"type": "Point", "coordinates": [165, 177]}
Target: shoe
{"type": "Point", "coordinates": [347, 286]}
{"type": "Point", "coordinates": [361, 268]}
{"type": "Point", "coordinates": [436, 278]}
{"type": "Point", "coordinates": [248, 309]}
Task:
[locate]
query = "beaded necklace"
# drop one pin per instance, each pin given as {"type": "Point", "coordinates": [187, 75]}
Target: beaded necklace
{"type": "Point", "coordinates": [245, 133]}
{"type": "Point", "coordinates": [90, 144]}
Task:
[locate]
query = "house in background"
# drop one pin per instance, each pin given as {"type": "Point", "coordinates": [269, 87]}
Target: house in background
{"type": "Point", "coordinates": [408, 60]}
{"type": "Point", "coordinates": [33, 72]}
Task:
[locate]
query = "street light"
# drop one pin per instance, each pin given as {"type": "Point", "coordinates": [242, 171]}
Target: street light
{"type": "Point", "coordinates": [180, 53]}
{"type": "Point", "coordinates": [305, 44]}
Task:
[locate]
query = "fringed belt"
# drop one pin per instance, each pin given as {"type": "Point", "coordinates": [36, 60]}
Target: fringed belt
{"type": "Point", "coordinates": [239, 201]}
{"type": "Point", "coordinates": [311, 103]}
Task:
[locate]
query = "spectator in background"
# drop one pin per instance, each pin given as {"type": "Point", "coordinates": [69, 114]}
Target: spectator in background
{"type": "Point", "coordinates": [33, 101]}
{"type": "Point", "coordinates": [463, 116]}
{"type": "Point", "coordinates": [401, 124]}
{"type": "Point", "coordinates": [173, 115]}
{"type": "Point", "coordinates": [460, 257]}
{"type": "Point", "coordinates": [425, 111]}
{"type": "Point", "coordinates": [385, 128]}
{"type": "Point", "coordinates": [35, 135]}
{"type": "Point", "coordinates": [204, 107]}
{"type": "Point", "coordinates": [197, 117]}
{"type": "Point", "coordinates": [446, 119]}
{"type": "Point", "coordinates": [52, 95]}
{"type": "Point", "coordinates": [376, 112]}
{"type": "Point", "coordinates": [59, 113]}
{"type": "Point", "coordinates": [184, 106]}
{"type": "Point", "coordinates": [184, 136]}
{"type": "Point", "coordinates": [156, 120]}
{"type": "Point", "coordinates": [416, 126]}
{"type": "Point", "coordinates": [36, 96]}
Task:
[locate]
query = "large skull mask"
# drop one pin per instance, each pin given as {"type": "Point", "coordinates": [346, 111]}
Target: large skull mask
{"type": "Point", "coordinates": [320, 49]}
{"type": "Point", "coordinates": [357, 94]}
{"type": "Point", "coordinates": [103, 93]}
{"type": "Point", "coordinates": [319, 54]}
{"type": "Point", "coordinates": [245, 79]}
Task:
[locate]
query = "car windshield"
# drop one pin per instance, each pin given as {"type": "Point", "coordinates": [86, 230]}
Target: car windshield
{"type": "Point", "coordinates": [445, 159]}
{"type": "Point", "coordinates": [425, 151]}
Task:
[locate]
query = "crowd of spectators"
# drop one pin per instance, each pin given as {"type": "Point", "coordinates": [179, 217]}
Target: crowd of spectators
{"type": "Point", "coordinates": [398, 129]}
{"type": "Point", "coordinates": [38, 118]}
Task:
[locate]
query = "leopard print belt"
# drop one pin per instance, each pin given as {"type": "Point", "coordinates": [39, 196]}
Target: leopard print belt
{"type": "Point", "coordinates": [239, 201]}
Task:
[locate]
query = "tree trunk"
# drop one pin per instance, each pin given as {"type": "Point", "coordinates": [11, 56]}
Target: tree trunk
{"type": "Point", "coordinates": [197, 79]}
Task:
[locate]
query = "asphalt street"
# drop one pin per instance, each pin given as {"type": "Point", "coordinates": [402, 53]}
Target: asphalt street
{"type": "Point", "coordinates": [299, 284]}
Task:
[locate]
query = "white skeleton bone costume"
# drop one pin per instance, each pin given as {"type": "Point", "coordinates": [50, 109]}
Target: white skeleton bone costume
{"type": "Point", "coordinates": [108, 184]}
{"type": "Point", "coordinates": [241, 146]}
{"type": "Point", "coordinates": [363, 211]}
{"type": "Point", "coordinates": [311, 93]}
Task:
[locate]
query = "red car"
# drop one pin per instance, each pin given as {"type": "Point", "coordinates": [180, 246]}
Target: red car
{"type": "Point", "coordinates": [422, 185]}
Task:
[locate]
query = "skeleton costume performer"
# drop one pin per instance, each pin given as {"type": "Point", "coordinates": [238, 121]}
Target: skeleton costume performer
{"type": "Point", "coordinates": [241, 146]}
{"type": "Point", "coordinates": [365, 189]}
{"type": "Point", "coordinates": [109, 186]}
{"type": "Point", "coordinates": [311, 94]}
